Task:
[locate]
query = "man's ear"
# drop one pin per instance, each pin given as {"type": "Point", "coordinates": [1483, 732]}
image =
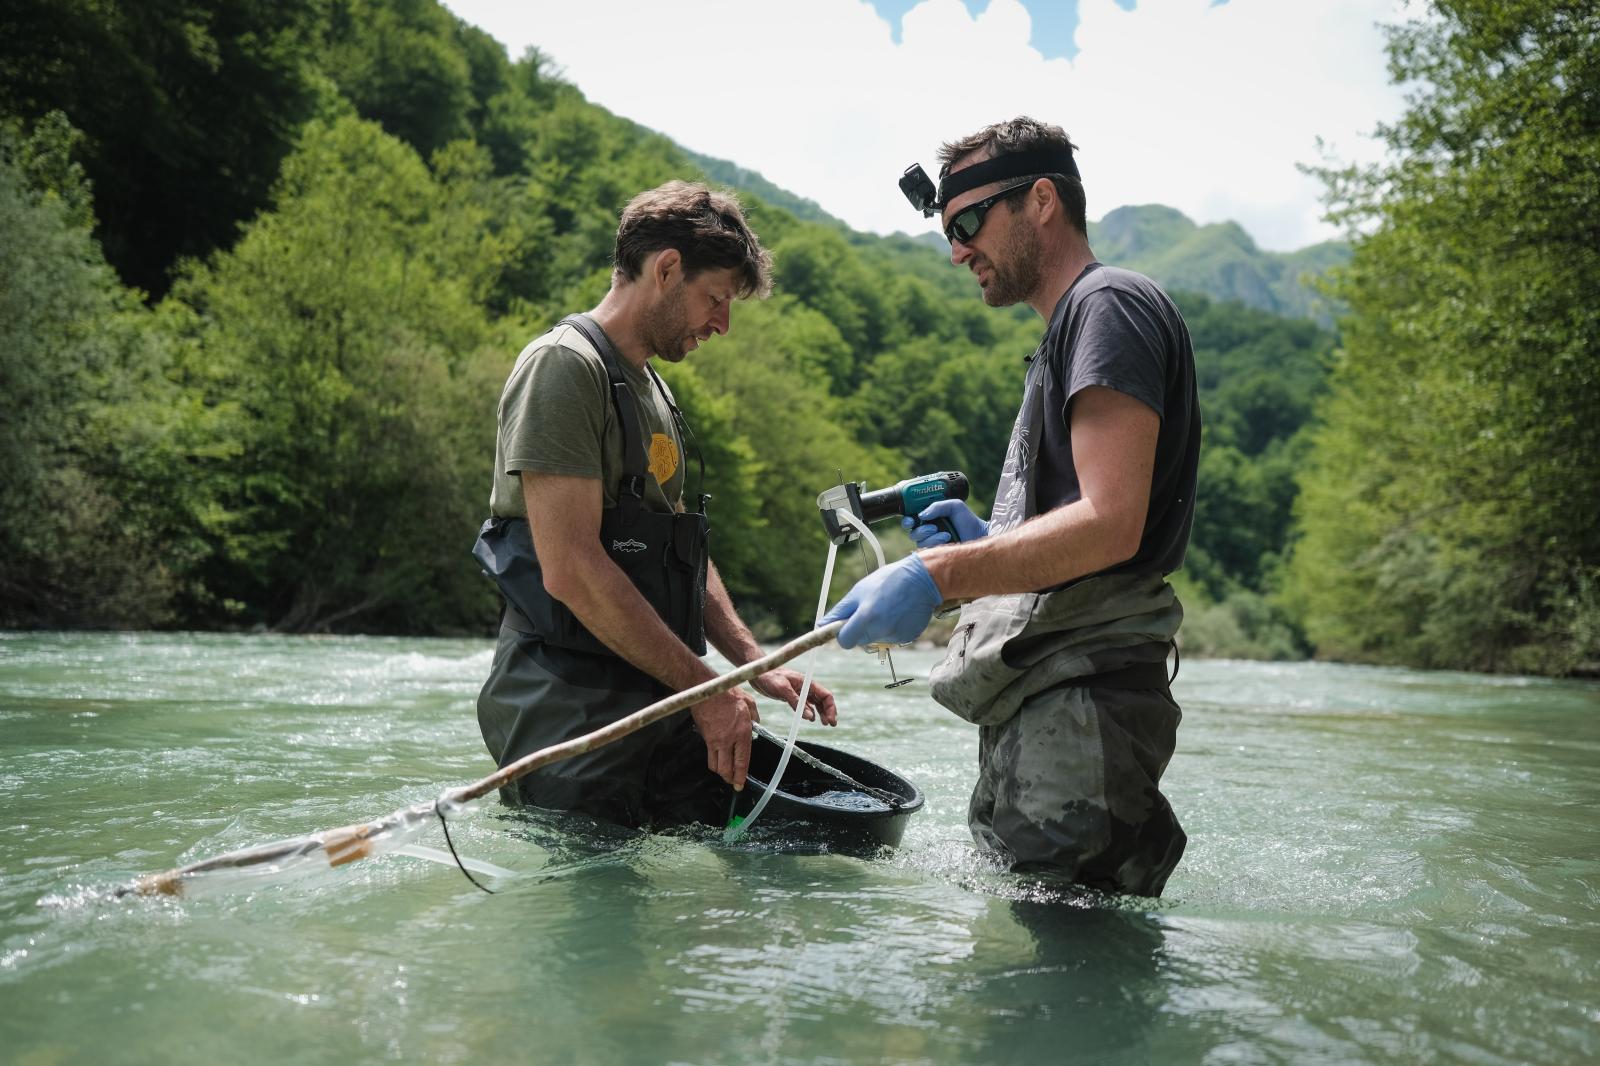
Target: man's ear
{"type": "Point", "coordinates": [1045, 199]}
{"type": "Point", "coordinates": [667, 262]}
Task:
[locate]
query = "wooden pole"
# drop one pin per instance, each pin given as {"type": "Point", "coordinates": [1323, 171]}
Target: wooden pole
{"type": "Point", "coordinates": [350, 843]}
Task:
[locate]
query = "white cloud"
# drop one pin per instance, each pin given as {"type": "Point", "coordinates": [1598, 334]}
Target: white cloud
{"type": "Point", "coordinates": [1207, 109]}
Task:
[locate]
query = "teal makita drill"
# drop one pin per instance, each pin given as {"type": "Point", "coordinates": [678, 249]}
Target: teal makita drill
{"type": "Point", "coordinates": [907, 499]}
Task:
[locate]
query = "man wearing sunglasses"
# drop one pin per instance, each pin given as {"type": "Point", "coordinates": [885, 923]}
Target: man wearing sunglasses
{"type": "Point", "coordinates": [1060, 652]}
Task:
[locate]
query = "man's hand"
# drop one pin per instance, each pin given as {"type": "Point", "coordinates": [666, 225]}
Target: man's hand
{"type": "Point", "coordinates": [969, 527]}
{"type": "Point", "coordinates": [891, 605]}
{"type": "Point", "coordinates": [724, 722]}
{"type": "Point", "coordinates": [784, 684]}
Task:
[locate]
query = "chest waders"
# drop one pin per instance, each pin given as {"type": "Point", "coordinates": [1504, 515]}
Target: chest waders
{"type": "Point", "coordinates": [1070, 691]}
{"type": "Point", "coordinates": [553, 680]}
{"type": "Point", "coordinates": [664, 555]}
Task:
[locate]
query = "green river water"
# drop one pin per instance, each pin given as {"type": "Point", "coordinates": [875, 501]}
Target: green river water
{"type": "Point", "coordinates": [1384, 866]}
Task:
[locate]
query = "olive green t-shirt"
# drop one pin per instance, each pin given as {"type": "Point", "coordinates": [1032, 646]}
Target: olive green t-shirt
{"type": "Point", "coordinates": [556, 417]}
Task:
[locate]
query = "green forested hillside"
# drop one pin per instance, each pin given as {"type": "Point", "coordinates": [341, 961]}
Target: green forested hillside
{"type": "Point", "coordinates": [1219, 260]}
{"type": "Point", "coordinates": [264, 267]}
{"type": "Point", "coordinates": [298, 433]}
{"type": "Point", "coordinates": [733, 176]}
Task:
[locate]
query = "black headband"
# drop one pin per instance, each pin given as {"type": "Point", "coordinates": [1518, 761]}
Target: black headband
{"type": "Point", "coordinates": [1014, 165]}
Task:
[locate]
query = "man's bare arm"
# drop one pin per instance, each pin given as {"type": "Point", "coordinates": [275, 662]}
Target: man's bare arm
{"type": "Point", "coordinates": [1114, 448]}
{"type": "Point", "coordinates": [724, 628]}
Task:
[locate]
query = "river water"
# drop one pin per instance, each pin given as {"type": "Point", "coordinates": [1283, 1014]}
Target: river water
{"type": "Point", "coordinates": [1384, 866]}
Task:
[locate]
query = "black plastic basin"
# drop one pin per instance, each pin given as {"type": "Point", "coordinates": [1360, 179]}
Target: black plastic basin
{"type": "Point", "coordinates": [819, 806]}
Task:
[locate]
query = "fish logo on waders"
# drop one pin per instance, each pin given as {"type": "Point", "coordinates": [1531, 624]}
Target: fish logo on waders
{"type": "Point", "coordinates": [629, 546]}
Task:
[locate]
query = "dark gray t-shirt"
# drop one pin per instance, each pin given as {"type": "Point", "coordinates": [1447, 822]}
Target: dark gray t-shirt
{"type": "Point", "coordinates": [1116, 329]}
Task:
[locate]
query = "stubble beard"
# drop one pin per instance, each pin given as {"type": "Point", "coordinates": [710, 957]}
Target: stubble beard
{"type": "Point", "coordinates": [1016, 268]}
{"type": "Point", "coordinates": [666, 331]}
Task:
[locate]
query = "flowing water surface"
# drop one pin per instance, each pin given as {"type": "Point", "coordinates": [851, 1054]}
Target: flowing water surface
{"type": "Point", "coordinates": [1384, 866]}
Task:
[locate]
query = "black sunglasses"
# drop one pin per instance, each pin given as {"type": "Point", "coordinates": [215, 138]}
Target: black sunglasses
{"type": "Point", "coordinates": [969, 219]}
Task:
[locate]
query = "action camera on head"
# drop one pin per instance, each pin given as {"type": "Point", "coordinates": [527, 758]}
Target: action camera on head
{"type": "Point", "coordinates": [919, 189]}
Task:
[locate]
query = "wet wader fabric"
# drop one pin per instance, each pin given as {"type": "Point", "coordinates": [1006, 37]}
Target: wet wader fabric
{"type": "Point", "coordinates": [1078, 724]}
{"type": "Point", "coordinates": [538, 695]}
{"type": "Point", "coordinates": [1071, 785]}
{"type": "Point", "coordinates": [553, 680]}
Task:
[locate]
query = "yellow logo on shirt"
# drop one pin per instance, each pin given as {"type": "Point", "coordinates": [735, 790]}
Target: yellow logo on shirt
{"type": "Point", "coordinates": [663, 458]}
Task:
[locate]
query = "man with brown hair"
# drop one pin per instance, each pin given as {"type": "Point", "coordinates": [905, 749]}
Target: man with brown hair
{"type": "Point", "coordinates": [610, 592]}
{"type": "Point", "coordinates": [1060, 656]}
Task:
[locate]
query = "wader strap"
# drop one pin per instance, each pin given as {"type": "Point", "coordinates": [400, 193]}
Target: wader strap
{"type": "Point", "coordinates": [688, 439]}
{"type": "Point", "coordinates": [635, 461]}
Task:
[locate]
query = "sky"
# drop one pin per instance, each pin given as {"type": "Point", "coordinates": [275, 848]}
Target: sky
{"type": "Point", "coordinates": [1203, 106]}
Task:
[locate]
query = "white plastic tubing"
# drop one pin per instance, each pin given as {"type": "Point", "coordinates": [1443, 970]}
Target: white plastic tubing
{"type": "Point", "coordinates": [735, 831]}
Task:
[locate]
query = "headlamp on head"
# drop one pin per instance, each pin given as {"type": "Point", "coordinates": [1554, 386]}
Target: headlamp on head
{"type": "Point", "coordinates": [919, 189]}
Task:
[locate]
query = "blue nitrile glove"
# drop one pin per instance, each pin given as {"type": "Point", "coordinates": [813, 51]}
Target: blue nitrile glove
{"type": "Point", "coordinates": [891, 605]}
{"type": "Point", "coordinates": [968, 525]}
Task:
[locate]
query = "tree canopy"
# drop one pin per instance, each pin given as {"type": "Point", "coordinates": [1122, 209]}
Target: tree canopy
{"type": "Point", "coordinates": [1448, 513]}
